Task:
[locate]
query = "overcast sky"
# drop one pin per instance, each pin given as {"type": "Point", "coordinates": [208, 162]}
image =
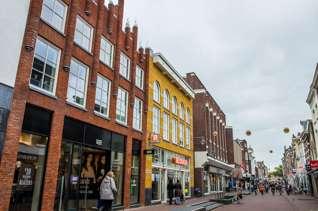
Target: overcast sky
{"type": "Point", "coordinates": [257, 58]}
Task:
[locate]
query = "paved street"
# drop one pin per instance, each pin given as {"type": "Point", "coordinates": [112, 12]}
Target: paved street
{"type": "Point", "coordinates": [253, 203]}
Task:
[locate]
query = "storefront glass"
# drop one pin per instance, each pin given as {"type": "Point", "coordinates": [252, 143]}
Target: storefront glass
{"type": "Point", "coordinates": [135, 173]}
{"type": "Point", "coordinates": [28, 176]}
{"type": "Point", "coordinates": [88, 153]}
{"type": "Point", "coordinates": [155, 184]}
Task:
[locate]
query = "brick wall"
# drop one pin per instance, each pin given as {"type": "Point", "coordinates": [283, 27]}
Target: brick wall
{"type": "Point", "coordinates": [107, 21]}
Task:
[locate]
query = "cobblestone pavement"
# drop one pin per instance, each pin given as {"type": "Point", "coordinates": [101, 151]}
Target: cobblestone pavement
{"type": "Point", "coordinates": [274, 203]}
{"type": "Point", "coordinates": [251, 203]}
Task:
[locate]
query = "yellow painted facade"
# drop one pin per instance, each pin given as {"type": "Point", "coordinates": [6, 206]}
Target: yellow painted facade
{"type": "Point", "coordinates": [166, 82]}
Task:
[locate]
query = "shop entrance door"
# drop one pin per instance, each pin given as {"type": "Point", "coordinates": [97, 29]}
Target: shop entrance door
{"type": "Point", "coordinates": [163, 186]}
{"type": "Point", "coordinates": [81, 169]}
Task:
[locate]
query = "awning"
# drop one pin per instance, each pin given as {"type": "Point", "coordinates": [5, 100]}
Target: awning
{"type": "Point", "coordinates": [219, 164]}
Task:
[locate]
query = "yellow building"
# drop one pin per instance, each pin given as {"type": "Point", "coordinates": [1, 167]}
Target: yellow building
{"type": "Point", "coordinates": [169, 131]}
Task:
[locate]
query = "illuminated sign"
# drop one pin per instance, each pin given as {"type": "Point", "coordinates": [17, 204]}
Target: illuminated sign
{"type": "Point", "coordinates": [179, 161]}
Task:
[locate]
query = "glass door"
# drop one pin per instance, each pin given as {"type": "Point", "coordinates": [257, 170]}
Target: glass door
{"type": "Point", "coordinates": [156, 184]}
{"type": "Point", "coordinates": [163, 185]}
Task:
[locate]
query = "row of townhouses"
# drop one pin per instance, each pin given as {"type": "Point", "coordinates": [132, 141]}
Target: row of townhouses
{"type": "Point", "coordinates": [300, 159]}
{"type": "Point", "coordinates": [78, 98]}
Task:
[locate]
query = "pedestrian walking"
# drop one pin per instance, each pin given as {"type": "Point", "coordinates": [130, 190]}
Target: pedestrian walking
{"type": "Point", "coordinates": [261, 188]}
{"type": "Point", "coordinates": [273, 188]}
{"type": "Point", "coordinates": [239, 194]}
{"type": "Point", "coordinates": [108, 192]}
{"type": "Point", "coordinates": [170, 188]}
{"type": "Point", "coordinates": [178, 192]}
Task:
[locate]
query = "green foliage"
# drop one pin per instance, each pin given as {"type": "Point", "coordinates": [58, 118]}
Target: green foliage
{"type": "Point", "coordinates": [278, 172]}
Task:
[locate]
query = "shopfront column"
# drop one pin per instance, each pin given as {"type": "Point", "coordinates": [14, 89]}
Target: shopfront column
{"type": "Point", "coordinates": [127, 176]}
{"type": "Point", "coordinates": [52, 164]}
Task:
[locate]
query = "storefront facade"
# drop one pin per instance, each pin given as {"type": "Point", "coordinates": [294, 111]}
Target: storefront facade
{"type": "Point", "coordinates": [74, 115]}
{"type": "Point", "coordinates": [169, 132]}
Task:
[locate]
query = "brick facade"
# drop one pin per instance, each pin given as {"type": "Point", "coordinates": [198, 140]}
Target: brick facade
{"type": "Point", "coordinates": [106, 21]}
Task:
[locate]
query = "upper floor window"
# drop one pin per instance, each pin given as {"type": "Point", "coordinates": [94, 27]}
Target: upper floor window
{"type": "Point", "coordinates": [166, 99]}
{"type": "Point", "coordinates": [137, 116]}
{"type": "Point", "coordinates": [122, 106]}
{"type": "Point", "coordinates": [139, 80]}
{"type": "Point", "coordinates": [83, 34]}
{"type": "Point", "coordinates": [165, 128]}
{"type": "Point", "coordinates": [77, 83]}
{"type": "Point", "coordinates": [181, 111]}
{"type": "Point", "coordinates": [124, 66]}
{"type": "Point", "coordinates": [174, 129]}
{"type": "Point", "coordinates": [187, 139]}
{"type": "Point", "coordinates": [174, 105]}
{"type": "Point", "coordinates": [54, 13]}
{"type": "Point", "coordinates": [45, 66]}
{"type": "Point", "coordinates": [188, 116]}
{"type": "Point", "coordinates": [106, 54]}
{"type": "Point", "coordinates": [156, 91]}
{"type": "Point", "coordinates": [102, 95]}
{"type": "Point", "coordinates": [181, 135]}
{"type": "Point", "coordinates": [156, 120]}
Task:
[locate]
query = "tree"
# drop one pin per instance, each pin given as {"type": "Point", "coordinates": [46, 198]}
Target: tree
{"type": "Point", "coordinates": [278, 171]}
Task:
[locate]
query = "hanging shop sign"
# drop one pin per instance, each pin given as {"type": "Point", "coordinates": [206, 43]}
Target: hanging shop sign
{"type": "Point", "coordinates": [179, 161]}
{"type": "Point", "coordinates": [154, 138]}
{"type": "Point", "coordinates": [313, 164]}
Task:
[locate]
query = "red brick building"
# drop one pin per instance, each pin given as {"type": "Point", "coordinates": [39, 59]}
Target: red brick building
{"type": "Point", "coordinates": [77, 109]}
{"type": "Point", "coordinates": [212, 170]}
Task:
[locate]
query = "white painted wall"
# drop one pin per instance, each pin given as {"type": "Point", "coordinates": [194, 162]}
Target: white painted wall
{"type": "Point", "coordinates": [13, 16]}
{"type": "Point", "coordinates": [314, 112]}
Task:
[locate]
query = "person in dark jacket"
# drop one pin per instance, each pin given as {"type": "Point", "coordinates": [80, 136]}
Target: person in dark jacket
{"type": "Point", "coordinates": [178, 192]}
{"type": "Point", "coordinates": [170, 189]}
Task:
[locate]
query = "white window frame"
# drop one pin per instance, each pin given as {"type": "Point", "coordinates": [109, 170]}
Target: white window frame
{"type": "Point", "coordinates": [56, 69]}
{"type": "Point", "coordinates": [165, 126]}
{"type": "Point", "coordinates": [174, 130]}
{"type": "Point", "coordinates": [156, 120]}
{"type": "Point", "coordinates": [188, 116]}
{"type": "Point", "coordinates": [107, 55]}
{"type": "Point", "coordinates": [101, 91]}
{"type": "Point", "coordinates": [182, 111]}
{"type": "Point", "coordinates": [80, 19]}
{"type": "Point", "coordinates": [166, 99]}
{"type": "Point", "coordinates": [85, 86]}
{"type": "Point", "coordinates": [124, 69]}
{"type": "Point", "coordinates": [137, 114]}
{"type": "Point", "coordinates": [139, 78]}
{"type": "Point", "coordinates": [188, 137]}
{"type": "Point", "coordinates": [50, 22]}
{"type": "Point", "coordinates": [174, 106]}
{"type": "Point", "coordinates": [156, 91]}
{"type": "Point", "coordinates": [119, 105]}
{"type": "Point", "coordinates": [181, 134]}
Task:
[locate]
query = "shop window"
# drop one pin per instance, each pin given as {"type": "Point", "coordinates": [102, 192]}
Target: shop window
{"type": "Point", "coordinates": [45, 66]}
{"type": "Point", "coordinates": [155, 187]}
{"type": "Point", "coordinates": [156, 158]}
{"type": "Point", "coordinates": [83, 34]}
{"type": "Point", "coordinates": [124, 68]}
{"type": "Point", "coordinates": [77, 83]}
{"type": "Point", "coordinates": [135, 173]}
{"type": "Point", "coordinates": [54, 13]}
{"type": "Point", "coordinates": [106, 52]}
{"type": "Point", "coordinates": [29, 171]}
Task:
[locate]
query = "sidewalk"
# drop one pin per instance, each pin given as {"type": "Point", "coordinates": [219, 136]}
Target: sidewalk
{"type": "Point", "coordinates": [303, 202]}
{"type": "Point", "coordinates": [166, 207]}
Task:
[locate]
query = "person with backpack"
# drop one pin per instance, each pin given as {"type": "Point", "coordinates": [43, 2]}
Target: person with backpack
{"type": "Point", "coordinates": [107, 192]}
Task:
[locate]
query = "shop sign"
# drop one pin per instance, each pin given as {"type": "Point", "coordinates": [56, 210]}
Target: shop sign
{"type": "Point", "coordinates": [148, 151]}
{"type": "Point", "coordinates": [179, 161]}
{"type": "Point", "coordinates": [313, 164]}
{"type": "Point", "coordinates": [154, 138]}
{"type": "Point", "coordinates": [26, 173]}
{"type": "Point", "coordinates": [99, 142]}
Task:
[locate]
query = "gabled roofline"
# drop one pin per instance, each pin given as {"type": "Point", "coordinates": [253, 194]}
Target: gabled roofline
{"type": "Point", "coordinates": [313, 86]}
{"type": "Point", "coordinates": [163, 64]}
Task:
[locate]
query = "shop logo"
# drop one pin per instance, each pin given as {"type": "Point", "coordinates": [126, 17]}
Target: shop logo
{"type": "Point", "coordinates": [179, 161]}
{"type": "Point", "coordinates": [99, 142]}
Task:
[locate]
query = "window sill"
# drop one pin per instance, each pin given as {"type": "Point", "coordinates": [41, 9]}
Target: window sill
{"type": "Point", "coordinates": [122, 123]}
{"type": "Point", "coordinates": [41, 91]}
{"type": "Point", "coordinates": [137, 130]}
{"type": "Point", "coordinates": [101, 115]}
{"type": "Point", "coordinates": [82, 48]}
{"type": "Point", "coordinates": [141, 89]}
{"type": "Point", "coordinates": [103, 63]}
{"type": "Point", "coordinates": [53, 27]}
{"type": "Point", "coordinates": [76, 105]}
{"type": "Point", "coordinates": [124, 78]}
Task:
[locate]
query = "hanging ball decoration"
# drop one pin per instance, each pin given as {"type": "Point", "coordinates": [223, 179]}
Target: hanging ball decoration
{"type": "Point", "coordinates": [248, 133]}
{"type": "Point", "coordinates": [271, 151]}
{"type": "Point", "coordinates": [286, 130]}
{"type": "Point", "coordinates": [215, 133]}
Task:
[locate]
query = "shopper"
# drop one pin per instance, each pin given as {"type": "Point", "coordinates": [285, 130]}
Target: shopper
{"type": "Point", "coordinates": [108, 192]}
{"type": "Point", "coordinates": [178, 192]}
{"type": "Point", "coordinates": [170, 188]}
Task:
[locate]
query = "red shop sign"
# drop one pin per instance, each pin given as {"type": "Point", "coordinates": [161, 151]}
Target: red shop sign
{"type": "Point", "coordinates": [179, 161]}
{"type": "Point", "coordinates": [313, 164]}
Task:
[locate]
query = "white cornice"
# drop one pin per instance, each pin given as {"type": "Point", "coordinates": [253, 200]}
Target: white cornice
{"type": "Point", "coordinates": [166, 67]}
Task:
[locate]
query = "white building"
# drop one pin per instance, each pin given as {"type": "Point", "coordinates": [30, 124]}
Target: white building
{"type": "Point", "coordinates": [13, 18]}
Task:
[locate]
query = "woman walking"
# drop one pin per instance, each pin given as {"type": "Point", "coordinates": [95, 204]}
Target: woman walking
{"type": "Point", "coordinates": [108, 192]}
